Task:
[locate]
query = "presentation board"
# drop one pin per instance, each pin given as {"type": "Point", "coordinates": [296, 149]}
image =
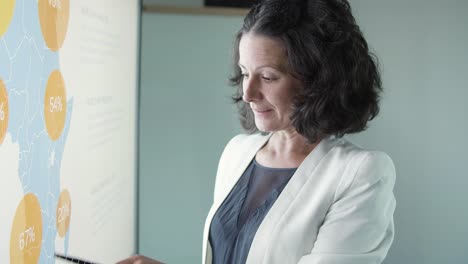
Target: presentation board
{"type": "Point", "coordinates": [68, 129]}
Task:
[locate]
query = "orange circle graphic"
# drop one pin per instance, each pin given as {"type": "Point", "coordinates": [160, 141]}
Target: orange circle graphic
{"type": "Point", "coordinates": [7, 8]}
{"type": "Point", "coordinates": [63, 213]}
{"type": "Point", "coordinates": [4, 113]}
{"type": "Point", "coordinates": [55, 105]}
{"type": "Point", "coordinates": [53, 16]}
{"type": "Point", "coordinates": [26, 233]}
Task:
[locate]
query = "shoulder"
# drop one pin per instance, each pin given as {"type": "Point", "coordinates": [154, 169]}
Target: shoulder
{"type": "Point", "coordinates": [243, 142]}
{"type": "Point", "coordinates": [366, 159]}
{"type": "Point", "coordinates": [353, 154]}
{"type": "Point", "coordinates": [247, 139]}
{"type": "Point", "coordinates": [363, 167]}
{"type": "Point", "coordinates": [374, 166]}
{"type": "Point", "coordinates": [239, 148]}
{"type": "Point", "coordinates": [237, 151]}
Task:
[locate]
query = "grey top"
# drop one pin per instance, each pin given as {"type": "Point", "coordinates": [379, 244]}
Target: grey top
{"type": "Point", "coordinates": [237, 219]}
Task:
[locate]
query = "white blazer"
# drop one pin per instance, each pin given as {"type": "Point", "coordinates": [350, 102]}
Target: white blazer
{"type": "Point", "coordinates": [336, 209]}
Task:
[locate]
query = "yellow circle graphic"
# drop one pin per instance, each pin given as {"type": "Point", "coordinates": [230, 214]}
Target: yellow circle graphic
{"type": "Point", "coordinates": [4, 114]}
{"type": "Point", "coordinates": [26, 233]}
{"type": "Point", "coordinates": [63, 213]}
{"type": "Point", "coordinates": [55, 105]}
{"type": "Point", "coordinates": [53, 16]}
{"type": "Point", "coordinates": [6, 13]}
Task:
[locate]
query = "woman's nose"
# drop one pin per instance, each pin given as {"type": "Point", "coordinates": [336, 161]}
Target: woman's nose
{"type": "Point", "coordinates": [251, 90]}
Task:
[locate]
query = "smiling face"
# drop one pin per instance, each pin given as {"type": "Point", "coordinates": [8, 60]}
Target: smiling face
{"type": "Point", "coordinates": [267, 85]}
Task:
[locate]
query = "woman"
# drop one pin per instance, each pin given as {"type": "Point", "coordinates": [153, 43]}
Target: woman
{"type": "Point", "coordinates": [293, 190]}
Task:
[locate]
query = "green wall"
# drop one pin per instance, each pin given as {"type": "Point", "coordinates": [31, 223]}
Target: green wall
{"type": "Point", "coordinates": [186, 119]}
{"type": "Point", "coordinates": [424, 122]}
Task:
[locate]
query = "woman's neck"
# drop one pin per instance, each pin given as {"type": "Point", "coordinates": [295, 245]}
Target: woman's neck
{"type": "Point", "coordinates": [285, 149]}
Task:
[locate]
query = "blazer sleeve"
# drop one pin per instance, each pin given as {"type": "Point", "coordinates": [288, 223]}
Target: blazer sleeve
{"type": "Point", "coordinates": [358, 227]}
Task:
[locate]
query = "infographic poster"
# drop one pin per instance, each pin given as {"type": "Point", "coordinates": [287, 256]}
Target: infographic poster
{"type": "Point", "coordinates": [68, 100]}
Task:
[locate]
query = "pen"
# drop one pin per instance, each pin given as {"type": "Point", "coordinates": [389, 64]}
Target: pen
{"type": "Point", "coordinates": [73, 259]}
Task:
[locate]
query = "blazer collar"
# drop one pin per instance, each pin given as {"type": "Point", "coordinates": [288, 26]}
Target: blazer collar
{"type": "Point", "coordinates": [284, 200]}
{"type": "Point", "coordinates": [292, 188]}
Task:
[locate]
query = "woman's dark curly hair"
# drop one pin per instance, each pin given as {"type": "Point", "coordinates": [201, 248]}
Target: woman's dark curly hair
{"type": "Point", "coordinates": [328, 54]}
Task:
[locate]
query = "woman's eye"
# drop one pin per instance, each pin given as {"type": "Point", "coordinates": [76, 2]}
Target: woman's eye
{"type": "Point", "coordinates": [266, 78]}
{"type": "Point", "coordinates": [245, 75]}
